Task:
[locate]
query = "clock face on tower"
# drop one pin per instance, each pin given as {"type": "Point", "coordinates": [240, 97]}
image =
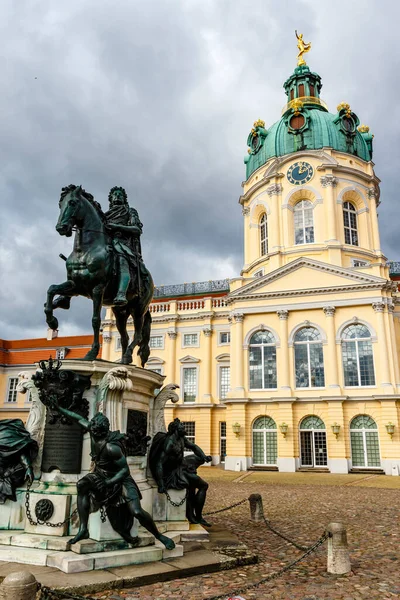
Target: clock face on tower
{"type": "Point", "coordinates": [300, 172]}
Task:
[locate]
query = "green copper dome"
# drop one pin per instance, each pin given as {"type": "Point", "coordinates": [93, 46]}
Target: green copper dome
{"type": "Point", "coordinates": [306, 124]}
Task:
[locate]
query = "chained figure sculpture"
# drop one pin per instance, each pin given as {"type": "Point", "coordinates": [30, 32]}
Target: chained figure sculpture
{"type": "Point", "coordinates": [110, 484]}
{"type": "Point", "coordinates": [171, 469]}
{"type": "Point", "coordinates": [17, 452]}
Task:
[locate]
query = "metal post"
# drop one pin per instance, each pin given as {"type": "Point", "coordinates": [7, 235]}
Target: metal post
{"type": "Point", "coordinates": [338, 550]}
{"type": "Point", "coordinates": [20, 585]}
{"type": "Point", "coordinates": [256, 508]}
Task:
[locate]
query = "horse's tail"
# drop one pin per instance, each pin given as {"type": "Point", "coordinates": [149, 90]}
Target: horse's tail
{"type": "Point", "coordinates": [144, 347]}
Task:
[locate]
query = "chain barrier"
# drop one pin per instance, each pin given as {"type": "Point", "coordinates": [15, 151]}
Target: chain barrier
{"type": "Point", "coordinates": [275, 574]}
{"type": "Point", "coordinates": [39, 522]}
{"type": "Point", "coordinates": [214, 512]}
{"type": "Point", "coordinates": [47, 593]}
{"type": "Point", "coordinates": [176, 504]}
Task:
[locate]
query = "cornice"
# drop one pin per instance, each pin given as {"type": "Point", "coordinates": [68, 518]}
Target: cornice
{"type": "Point", "coordinates": [306, 292]}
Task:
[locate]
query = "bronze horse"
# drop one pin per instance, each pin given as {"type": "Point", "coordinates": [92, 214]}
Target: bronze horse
{"type": "Point", "coordinates": [91, 273]}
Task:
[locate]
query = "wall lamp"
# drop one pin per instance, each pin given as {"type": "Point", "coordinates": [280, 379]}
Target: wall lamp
{"type": "Point", "coordinates": [284, 427]}
{"type": "Point", "coordinates": [390, 429]}
{"type": "Point", "coordinates": [236, 429]}
{"type": "Point", "coordinates": [336, 429]}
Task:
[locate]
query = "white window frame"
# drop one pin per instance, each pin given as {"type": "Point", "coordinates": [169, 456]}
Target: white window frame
{"type": "Point", "coordinates": [189, 366]}
{"type": "Point", "coordinates": [350, 229]}
{"type": "Point", "coordinates": [365, 263]}
{"type": "Point", "coordinates": [220, 343]}
{"type": "Point", "coordinates": [264, 431]}
{"type": "Point", "coordinates": [263, 225]}
{"type": "Point", "coordinates": [308, 342]}
{"type": "Point", "coordinates": [189, 437]}
{"type": "Point", "coordinates": [12, 391]}
{"type": "Point", "coordinates": [196, 345]}
{"type": "Point", "coordinates": [275, 345]}
{"type": "Point", "coordinates": [311, 207]}
{"type": "Point", "coordinates": [157, 335]}
{"type": "Point", "coordinates": [219, 378]}
{"type": "Point", "coordinates": [363, 431]}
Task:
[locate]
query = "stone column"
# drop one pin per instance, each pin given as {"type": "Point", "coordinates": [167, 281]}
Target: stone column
{"type": "Point", "coordinates": [329, 182]}
{"type": "Point", "coordinates": [283, 371]}
{"type": "Point", "coordinates": [374, 221]}
{"type": "Point", "coordinates": [207, 367]}
{"type": "Point", "coordinates": [171, 365]}
{"type": "Point", "coordinates": [379, 308]}
{"type": "Point", "coordinates": [238, 388]}
{"type": "Point", "coordinates": [332, 364]}
{"type": "Point", "coordinates": [274, 191]}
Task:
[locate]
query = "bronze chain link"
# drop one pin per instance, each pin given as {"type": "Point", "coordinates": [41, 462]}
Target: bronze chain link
{"type": "Point", "coordinates": [176, 504]}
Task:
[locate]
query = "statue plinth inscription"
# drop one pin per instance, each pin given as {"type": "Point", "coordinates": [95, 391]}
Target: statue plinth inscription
{"type": "Point", "coordinates": [63, 437]}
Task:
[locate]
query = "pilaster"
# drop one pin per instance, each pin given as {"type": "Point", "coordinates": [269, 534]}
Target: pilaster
{"type": "Point", "coordinates": [379, 308]}
{"type": "Point", "coordinates": [332, 375]}
{"type": "Point", "coordinates": [284, 362]}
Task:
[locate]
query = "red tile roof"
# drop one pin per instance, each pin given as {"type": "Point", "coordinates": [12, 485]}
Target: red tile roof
{"type": "Point", "coordinates": [29, 352]}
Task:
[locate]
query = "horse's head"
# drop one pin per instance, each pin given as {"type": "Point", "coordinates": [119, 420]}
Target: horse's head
{"type": "Point", "coordinates": [76, 205]}
{"type": "Point", "coordinates": [69, 209]}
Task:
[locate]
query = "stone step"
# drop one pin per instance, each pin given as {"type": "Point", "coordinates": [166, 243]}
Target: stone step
{"type": "Point", "coordinates": [89, 546]}
{"type": "Point", "coordinates": [27, 556]}
{"type": "Point", "coordinates": [69, 562]}
{"type": "Point", "coordinates": [196, 533]}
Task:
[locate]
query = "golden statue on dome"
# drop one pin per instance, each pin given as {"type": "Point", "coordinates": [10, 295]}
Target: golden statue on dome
{"type": "Point", "coordinates": [303, 48]}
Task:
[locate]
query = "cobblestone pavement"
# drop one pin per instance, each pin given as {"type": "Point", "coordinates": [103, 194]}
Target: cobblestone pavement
{"type": "Point", "coordinates": [300, 507]}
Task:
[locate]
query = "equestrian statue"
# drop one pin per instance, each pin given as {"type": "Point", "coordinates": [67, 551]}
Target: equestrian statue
{"type": "Point", "coordinates": [106, 266]}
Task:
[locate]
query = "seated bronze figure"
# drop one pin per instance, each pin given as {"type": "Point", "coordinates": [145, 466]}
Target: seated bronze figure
{"type": "Point", "coordinates": [173, 470]}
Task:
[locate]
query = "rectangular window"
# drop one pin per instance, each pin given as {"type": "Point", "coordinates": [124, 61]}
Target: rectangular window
{"type": "Point", "coordinates": [224, 381]}
{"type": "Point", "coordinates": [60, 353]}
{"type": "Point", "coordinates": [190, 339]}
{"type": "Point", "coordinates": [301, 90]}
{"type": "Point", "coordinates": [190, 428]}
{"type": "Point", "coordinates": [189, 384]}
{"type": "Point", "coordinates": [225, 337]}
{"type": "Point", "coordinates": [312, 91]}
{"type": "Point", "coordinates": [156, 341]}
{"type": "Point", "coordinates": [12, 389]}
{"type": "Point", "coordinates": [259, 273]}
{"type": "Point", "coordinates": [222, 441]}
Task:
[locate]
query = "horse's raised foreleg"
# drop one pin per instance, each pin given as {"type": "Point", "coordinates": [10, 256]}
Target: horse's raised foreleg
{"type": "Point", "coordinates": [66, 289]}
{"type": "Point", "coordinates": [98, 293]}
{"type": "Point", "coordinates": [137, 316]}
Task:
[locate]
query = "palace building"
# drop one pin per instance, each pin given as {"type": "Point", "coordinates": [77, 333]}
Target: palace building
{"type": "Point", "coordinates": [294, 364]}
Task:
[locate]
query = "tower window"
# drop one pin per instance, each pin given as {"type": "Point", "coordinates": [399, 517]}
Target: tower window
{"type": "Point", "coordinates": [303, 222]}
{"type": "Point", "coordinates": [291, 94]}
{"type": "Point", "coordinates": [312, 90]}
{"type": "Point", "coordinates": [350, 224]}
{"type": "Point", "coordinates": [301, 90]}
{"type": "Point", "coordinates": [263, 235]}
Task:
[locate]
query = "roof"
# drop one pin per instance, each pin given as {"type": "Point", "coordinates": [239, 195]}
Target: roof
{"type": "Point", "coordinates": [31, 351]}
{"type": "Point", "coordinates": [307, 124]}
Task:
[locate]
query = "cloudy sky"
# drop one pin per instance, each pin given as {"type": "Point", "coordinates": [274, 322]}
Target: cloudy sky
{"type": "Point", "coordinates": [159, 97]}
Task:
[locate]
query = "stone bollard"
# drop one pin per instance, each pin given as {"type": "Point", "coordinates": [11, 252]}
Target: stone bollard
{"type": "Point", "coordinates": [338, 550]}
{"type": "Point", "coordinates": [256, 508]}
{"type": "Point", "coordinates": [20, 585]}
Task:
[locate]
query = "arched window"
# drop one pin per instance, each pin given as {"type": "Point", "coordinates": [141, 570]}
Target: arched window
{"type": "Point", "coordinates": [358, 359]}
{"type": "Point", "coordinates": [309, 358]}
{"type": "Point", "coordinates": [303, 222]}
{"type": "Point", "coordinates": [350, 224]}
{"type": "Point", "coordinates": [262, 360]}
{"type": "Point", "coordinates": [364, 442]}
{"type": "Point", "coordinates": [313, 452]}
{"type": "Point", "coordinates": [264, 235]}
{"type": "Point", "coordinates": [265, 447]}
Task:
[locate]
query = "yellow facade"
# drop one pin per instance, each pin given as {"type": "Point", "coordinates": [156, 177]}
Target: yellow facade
{"type": "Point", "coordinates": [323, 287]}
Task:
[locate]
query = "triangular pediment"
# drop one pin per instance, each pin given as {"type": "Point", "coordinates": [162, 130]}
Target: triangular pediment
{"type": "Point", "coordinates": [189, 359]}
{"type": "Point", "coordinates": [306, 276]}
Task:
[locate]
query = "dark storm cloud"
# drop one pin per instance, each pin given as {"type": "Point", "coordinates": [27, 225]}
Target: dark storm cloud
{"type": "Point", "coordinates": [159, 97]}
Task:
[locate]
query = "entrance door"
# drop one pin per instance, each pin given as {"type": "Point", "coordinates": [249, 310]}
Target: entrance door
{"type": "Point", "coordinates": [265, 446]}
{"type": "Point", "coordinates": [313, 450]}
{"type": "Point", "coordinates": [364, 442]}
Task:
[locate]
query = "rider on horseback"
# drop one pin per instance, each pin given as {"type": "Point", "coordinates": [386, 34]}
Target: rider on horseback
{"type": "Point", "coordinates": [126, 229]}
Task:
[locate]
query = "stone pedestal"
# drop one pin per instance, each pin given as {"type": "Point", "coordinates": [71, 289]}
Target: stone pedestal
{"type": "Point", "coordinates": [115, 389]}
